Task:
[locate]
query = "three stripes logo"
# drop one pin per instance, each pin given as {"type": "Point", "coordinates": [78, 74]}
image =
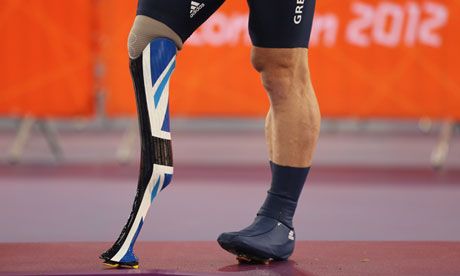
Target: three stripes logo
{"type": "Point", "coordinates": [195, 7]}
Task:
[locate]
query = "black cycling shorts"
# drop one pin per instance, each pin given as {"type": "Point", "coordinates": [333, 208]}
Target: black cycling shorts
{"type": "Point", "coordinates": [272, 23]}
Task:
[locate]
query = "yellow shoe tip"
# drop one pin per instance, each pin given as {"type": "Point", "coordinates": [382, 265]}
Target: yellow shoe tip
{"type": "Point", "coordinates": [130, 266]}
{"type": "Point", "coordinates": [112, 265]}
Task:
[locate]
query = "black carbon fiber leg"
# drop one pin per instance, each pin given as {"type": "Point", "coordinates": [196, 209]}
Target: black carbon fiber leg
{"type": "Point", "coordinates": [152, 69]}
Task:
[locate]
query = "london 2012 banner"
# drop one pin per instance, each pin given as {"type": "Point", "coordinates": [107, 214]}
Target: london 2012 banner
{"type": "Point", "coordinates": [368, 58]}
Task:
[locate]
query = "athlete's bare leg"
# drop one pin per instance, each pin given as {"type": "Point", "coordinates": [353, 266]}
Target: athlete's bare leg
{"type": "Point", "coordinates": [292, 128]}
{"type": "Point", "coordinates": [293, 122]}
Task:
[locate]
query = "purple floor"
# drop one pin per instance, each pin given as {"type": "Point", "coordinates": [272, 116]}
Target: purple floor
{"type": "Point", "coordinates": [205, 258]}
{"type": "Point", "coordinates": [55, 204]}
{"type": "Point", "coordinates": [362, 188]}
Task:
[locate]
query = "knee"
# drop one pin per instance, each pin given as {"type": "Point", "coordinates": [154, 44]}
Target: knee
{"type": "Point", "coordinates": [284, 72]}
{"type": "Point", "coordinates": [146, 29]}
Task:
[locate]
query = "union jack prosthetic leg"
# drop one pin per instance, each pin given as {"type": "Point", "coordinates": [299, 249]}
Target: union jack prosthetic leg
{"type": "Point", "coordinates": [151, 73]}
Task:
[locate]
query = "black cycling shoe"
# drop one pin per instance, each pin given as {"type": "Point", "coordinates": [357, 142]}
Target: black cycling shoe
{"type": "Point", "coordinates": [265, 240]}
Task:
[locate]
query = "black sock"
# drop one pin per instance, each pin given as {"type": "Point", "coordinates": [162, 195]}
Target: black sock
{"type": "Point", "coordinates": [285, 190]}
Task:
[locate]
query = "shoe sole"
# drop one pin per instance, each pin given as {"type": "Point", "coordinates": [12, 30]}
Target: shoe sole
{"type": "Point", "coordinates": [246, 257]}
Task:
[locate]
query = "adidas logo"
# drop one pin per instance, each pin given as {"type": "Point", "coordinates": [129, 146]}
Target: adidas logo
{"type": "Point", "coordinates": [291, 235]}
{"type": "Point", "coordinates": [195, 7]}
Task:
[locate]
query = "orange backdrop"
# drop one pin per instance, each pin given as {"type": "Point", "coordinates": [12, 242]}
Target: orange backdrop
{"type": "Point", "coordinates": [47, 61]}
{"type": "Point", "coordinates": [368, 59]}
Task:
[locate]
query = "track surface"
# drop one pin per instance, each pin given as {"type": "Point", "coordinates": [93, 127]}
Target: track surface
{"type": "Point", "coordinates": [86, 203]}
{"type": "Point", "coordinates": [363, 189]}
{"type": "Point", "coordinates": [206, 258]}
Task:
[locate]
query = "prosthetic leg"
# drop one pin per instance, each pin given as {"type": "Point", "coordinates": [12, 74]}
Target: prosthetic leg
{"type": "Point", "coordinates": [150, 73]}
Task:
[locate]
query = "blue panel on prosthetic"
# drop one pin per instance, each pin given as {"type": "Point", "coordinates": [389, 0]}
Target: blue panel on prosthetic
{"type": "Point", "coordinates": [168, 178]}
{"type": "Point", "coordinates": [129, 257]}
{"type": "Point", "coordinates": [166, 124]}
{"type": "Point", "coordinates": [162, 65]}
{"type": "Point", "coordinates": [162, 50]}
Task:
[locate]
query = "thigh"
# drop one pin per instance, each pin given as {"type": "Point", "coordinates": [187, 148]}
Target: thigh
{"type": "Point", "coordinates": [281, 23]}
{"type": "Point", "coordinates": [182, 16]}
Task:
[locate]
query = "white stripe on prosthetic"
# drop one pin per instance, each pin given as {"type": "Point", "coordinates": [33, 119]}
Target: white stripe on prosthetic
{"type": "Point", "coordinates": [159, 171]}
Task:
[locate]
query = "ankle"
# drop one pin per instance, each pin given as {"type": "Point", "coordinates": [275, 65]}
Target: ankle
{"type": "Point", "coordinates": [279, 208]}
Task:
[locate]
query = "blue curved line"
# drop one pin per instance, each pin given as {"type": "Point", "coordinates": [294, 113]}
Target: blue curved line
{"type": "Point", "coordinates": [163, 83]}
{"type": "Point", "coordinates": [155, 190]}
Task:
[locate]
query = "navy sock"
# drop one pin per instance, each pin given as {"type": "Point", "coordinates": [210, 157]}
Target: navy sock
{"type": "Point", "coordinates": [284, 193]}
